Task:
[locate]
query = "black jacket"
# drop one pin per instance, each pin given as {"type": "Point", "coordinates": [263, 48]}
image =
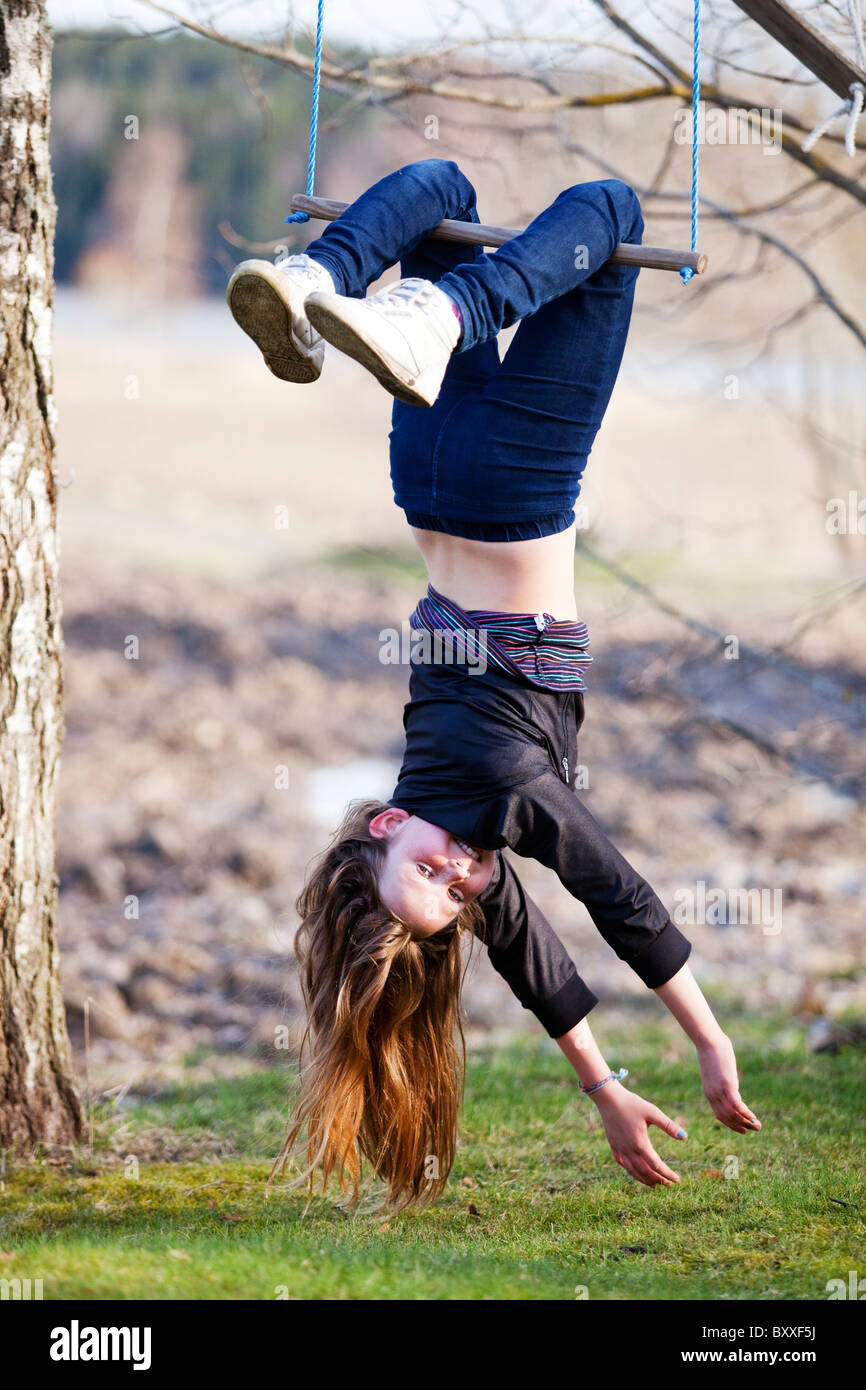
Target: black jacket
{"type": "Point", "coordinates": [491, 757]}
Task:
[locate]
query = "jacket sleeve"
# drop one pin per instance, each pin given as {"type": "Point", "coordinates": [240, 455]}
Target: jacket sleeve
{"type": "Point", "coordinates": [545, 820]}
{"type": "Point", "coordinates": [525, 950]}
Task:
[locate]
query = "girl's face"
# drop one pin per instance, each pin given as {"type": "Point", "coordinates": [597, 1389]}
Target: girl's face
{"type": "Point", "coordinates": [428, 874]}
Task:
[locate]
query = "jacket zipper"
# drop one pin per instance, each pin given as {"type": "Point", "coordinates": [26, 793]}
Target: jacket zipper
{"type": "Point", "coordinates": [541, 624]}
{"type": "Point", "coordinates": [565, 737]}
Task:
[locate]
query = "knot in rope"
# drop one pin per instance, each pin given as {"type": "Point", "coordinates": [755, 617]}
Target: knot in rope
{"type": "Point", "coordinates": [852, 107]}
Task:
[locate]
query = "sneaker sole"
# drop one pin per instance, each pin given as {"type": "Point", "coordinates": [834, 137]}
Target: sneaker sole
{"type": "Point", "coordinates": [341, 335]}
{"type": "Point", "coordinates": [264, 316]}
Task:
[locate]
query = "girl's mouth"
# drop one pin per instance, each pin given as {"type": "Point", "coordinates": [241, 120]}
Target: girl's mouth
{"type": "Point", "coordinates": [467, 849]}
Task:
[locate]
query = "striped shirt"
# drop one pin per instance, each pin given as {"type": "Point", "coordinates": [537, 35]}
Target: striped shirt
{"type": "Point", "coordinates": [542, 650]}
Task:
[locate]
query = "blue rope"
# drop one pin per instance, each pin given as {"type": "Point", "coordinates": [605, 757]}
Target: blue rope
{"type": "Point", "coordinates": [314, 114]}
{"type": "Point", "coordinates": [686, 271]}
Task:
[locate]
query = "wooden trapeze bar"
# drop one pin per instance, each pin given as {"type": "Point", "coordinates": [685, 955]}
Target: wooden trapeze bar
{"type": "Point", "coordinates": [480, 234]}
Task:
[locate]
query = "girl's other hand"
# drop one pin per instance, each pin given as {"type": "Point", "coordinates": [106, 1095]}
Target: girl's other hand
{"type": "Point", "coordinates": [626, 1118]}
{"type": "Point", "coordinates": [721, 1085]}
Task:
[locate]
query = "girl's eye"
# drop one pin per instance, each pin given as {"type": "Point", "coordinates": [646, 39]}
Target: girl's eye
{"type": "Point", "coordinates": [426, 871]}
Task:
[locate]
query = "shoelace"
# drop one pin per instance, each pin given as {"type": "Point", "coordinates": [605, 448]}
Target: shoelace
{"type": "Point", "coordinates": [406, 295]}
{"type": "Point", "coordinates": [298, 267]}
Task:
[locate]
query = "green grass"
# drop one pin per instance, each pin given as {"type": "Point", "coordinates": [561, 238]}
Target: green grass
{"type": "Point", "coordinates": [381, 562]}
{"type": "Point", "coordinates": [535, 1205]}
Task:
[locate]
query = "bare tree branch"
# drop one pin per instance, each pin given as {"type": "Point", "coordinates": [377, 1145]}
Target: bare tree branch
{"type": "Point", "coordinates": [822, 293]}
{"type": "Point", "coordinates": [404, 85]}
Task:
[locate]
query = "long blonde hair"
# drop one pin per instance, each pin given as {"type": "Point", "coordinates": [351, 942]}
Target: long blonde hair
{"type": "Point", "coordinates": [384, 1075]}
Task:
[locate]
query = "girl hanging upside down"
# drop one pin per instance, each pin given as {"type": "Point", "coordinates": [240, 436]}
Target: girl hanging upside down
{"type": "Point", "coordinates": [486, 462]}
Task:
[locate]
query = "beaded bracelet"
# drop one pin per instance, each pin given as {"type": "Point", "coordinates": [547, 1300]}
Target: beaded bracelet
{"type": "Point", "coordinates": [612, 1076]}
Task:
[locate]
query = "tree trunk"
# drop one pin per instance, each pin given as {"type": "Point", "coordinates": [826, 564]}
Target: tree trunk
{"type": "Point", "coordinates": [38, 1100]}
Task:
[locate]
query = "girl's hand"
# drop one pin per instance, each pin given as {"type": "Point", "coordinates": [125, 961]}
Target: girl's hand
{"type": "Point", "coordinates": [626, 1117]}
{"type": "Point", "coordinates": [721, 1085]}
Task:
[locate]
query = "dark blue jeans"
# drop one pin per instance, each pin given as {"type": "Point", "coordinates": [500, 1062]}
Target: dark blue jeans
{"type": "Point", "coordinates": [501, 453]}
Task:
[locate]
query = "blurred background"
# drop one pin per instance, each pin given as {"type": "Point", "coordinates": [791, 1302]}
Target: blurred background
{"type": "Point", "coordinates": [231, 551]}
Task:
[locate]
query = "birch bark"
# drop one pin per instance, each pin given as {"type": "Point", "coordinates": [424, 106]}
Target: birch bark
{"type": "Point", "coordinates": [38, 1100]}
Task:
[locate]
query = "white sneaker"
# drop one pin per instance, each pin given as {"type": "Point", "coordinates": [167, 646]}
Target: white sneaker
{"type": "Point", "coordinates": [404, 335]}
{"type": "Point", "coordinates": [268, 302]}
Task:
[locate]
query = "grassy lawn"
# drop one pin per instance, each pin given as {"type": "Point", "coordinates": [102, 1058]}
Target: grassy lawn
{"type": "Point", "coordinates": [535, 1206]}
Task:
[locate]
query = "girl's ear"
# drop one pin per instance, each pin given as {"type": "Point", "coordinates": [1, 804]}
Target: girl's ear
{"type": "Point", "coordinates": [382, 827]}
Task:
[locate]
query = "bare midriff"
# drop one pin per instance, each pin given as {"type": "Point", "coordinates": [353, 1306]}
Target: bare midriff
{"type": "Point", "coordinates": [535, 576]}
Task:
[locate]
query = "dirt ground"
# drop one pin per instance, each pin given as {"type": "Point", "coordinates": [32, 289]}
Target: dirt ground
{"type": "Point", "coordinates": [230, 553]}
